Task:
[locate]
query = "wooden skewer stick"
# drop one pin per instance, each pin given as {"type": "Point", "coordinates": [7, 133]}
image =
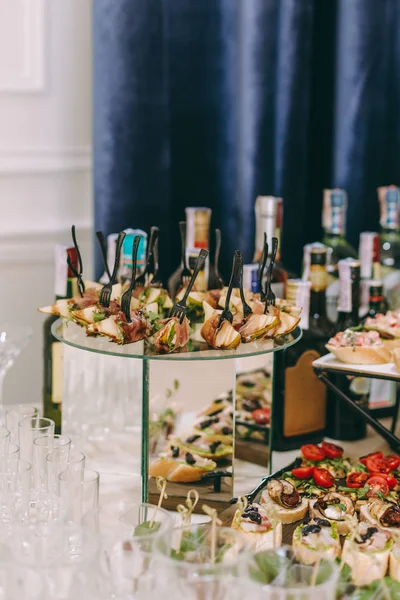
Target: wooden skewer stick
{"type": "Point", "coordinates": [212, 512]}
{"type": "Point", "coordinates": [186, 511]}
{"type": "Point", "coordinates": [161, 483]}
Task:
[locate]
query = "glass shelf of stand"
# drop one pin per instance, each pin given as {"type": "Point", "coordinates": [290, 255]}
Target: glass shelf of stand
{"type": "Point", "coordinates": [75, 336]}
{"type": "Point", "coordinates": [110, 392]}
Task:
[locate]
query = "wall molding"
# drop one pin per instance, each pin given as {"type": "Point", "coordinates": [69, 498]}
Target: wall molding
{"type": "Point", "coordinates": [37, 247]}
{"type": "Point", "coordinates": [45, 160]}
{"type": "Point", "coordinates": [31, 79]}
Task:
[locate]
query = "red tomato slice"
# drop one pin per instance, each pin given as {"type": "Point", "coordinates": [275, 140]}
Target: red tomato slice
{"type": "Point", "coordinates": [377, 465]}
{"type": "Point", "coordinates": [390, 480]}
{"type": "Point", "coordinates": [364, 459]}
{"type": "Point", "coordinates": [377, 484]}
{"type": "Point", "coordinates": [303, 472]}
{"type": "Point", "coordinates": [393, 460]}
{"type": "Point", "coordinates": [332, 450]}
{"type": "Point", "coordinates": [262, 416]}
{"type": "Point", "coordinates": [323, 478]}
{"type": "Point", "coordinates": [313, 452]}
{"type": "Point", "coordinates": [356, 480]}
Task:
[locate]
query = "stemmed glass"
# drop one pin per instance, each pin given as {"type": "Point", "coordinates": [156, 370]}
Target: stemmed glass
{"type": "Point", "coordinates": [13, 339]}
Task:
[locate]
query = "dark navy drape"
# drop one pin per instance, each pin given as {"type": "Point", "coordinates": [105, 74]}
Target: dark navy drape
{"type": "Point", "coordinates": [212, 102]}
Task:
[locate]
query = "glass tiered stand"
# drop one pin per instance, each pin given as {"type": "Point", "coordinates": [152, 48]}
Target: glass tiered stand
{"type": "Point", "coordinates": [121, 402]}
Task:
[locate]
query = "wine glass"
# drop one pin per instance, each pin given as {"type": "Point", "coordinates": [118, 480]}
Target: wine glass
{"type": "Point", "coordinates": [13, 339]}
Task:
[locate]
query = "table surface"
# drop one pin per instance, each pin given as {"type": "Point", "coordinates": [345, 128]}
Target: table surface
{"type": "Point", "coordinates": [330, 363]}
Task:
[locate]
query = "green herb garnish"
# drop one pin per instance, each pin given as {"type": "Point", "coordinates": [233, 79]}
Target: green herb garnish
{"type": "Point", "coordinates": [98, 316]}
{"type": "Point", "coordinates": [145, 529]}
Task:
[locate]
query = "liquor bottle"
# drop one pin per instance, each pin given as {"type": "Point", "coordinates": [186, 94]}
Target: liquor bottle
{"type": "Point", "coordinates": [334, 224]}
{"type": "Point", "coordinates": [65, 287]}
{"type": "Point", "coordinates": [111, 248]}
{"type": "Point", "coordinates": [198, 221]}
{"type": "Point", "coordinates": [342, 422]}
{"type": "Point", "coordinates": [269, 217]}
{"type": "Point", "coordinates": [389, 200]}
{"type": "Point", "coordinates": [299, 408]}
{"type": "Point", "coordinates": [369, 253]}
{"type": "Point", "coordinates": [125, 270]}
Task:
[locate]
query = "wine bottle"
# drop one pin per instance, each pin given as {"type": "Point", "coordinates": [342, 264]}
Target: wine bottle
{"type": "Point", "coordinates": [65, 287]}
{"type": "Point", "coordinates": [299, 408]}
{"type": "Point", "coordinates": [382, 396]}
{"type": "Point", "coordinates": [370, 268]}
{"type": "Point", "coordinates": [269, 216]}
{"type": "Point", "coordinates": [334, 225]}
{"type": "Point", "coordinates": [389, 200]}
{"type": "Point", "coordinates": [342, 422]}
{"type": "Point", "coordinates": [376, 300]}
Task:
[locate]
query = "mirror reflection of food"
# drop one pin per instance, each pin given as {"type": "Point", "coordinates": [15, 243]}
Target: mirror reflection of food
{"type": "Point", "coordinates": [178, 465]}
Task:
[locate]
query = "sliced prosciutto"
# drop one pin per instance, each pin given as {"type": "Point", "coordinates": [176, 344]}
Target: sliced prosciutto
{"type": "Point", "coordinates": [172, 335]}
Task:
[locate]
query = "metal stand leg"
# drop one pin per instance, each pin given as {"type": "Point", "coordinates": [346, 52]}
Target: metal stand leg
{"type": "Point", "coordinates": [145, 429]}
{"type": "Point", "coordinates": [379, 428]}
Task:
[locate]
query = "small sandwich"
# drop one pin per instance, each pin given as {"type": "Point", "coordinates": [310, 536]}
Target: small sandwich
{"type": "Point", "coordinates": [119, 330]}
{"type": "Point", "coordinates": [220, 337]}
{"type": "Point", "coordinates": [336, 508]}
{"type": "Point", "coordinates": [172, 335]}
{"type": "Point", "coordinates": [317, 540]}
{"type": "Point", "coordinates": [385, 515]}
{"type": "Point", "coordinates": [394, 562]}
{"type": "Point", "coordinates": [261, 532]}
{"type": "Point", "coordinates": [283, 498]}
{"type": "Point", "coordinates": [257, 326]}
{"type": "Point", "coordinates": [180, 466]}
{"type": "Point", "coordinates": [217, 429]}
{"type": "Point", "coordinates": [359, 348]}
{"type": "Point", "coordinates": [63, 308]}
{"type": "Point", "coordinates": [217, 406]}
{"type": "Point", "coordinates": [367, 553]}
{"type": "Point", "coordinates": [202, 446]}
{"type": "Point", "coordinates": [95, 313]}
{"type": "Point", "coordinates": [388, 327]}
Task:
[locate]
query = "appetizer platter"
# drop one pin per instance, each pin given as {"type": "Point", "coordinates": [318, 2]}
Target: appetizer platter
{"type": "Point", "coordinates": [328, 506]}
{"type": "Point", "coordinates": [139, 313]}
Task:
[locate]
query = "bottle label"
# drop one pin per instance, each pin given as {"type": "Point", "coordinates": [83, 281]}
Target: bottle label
{"type": "Point", "coordinates": [298, 294]}
{"type": "Point", "coordinates": [318, 277]}
{"type": "Point", "coordinates": [56, 372]}
{"type": "Point", "coordinates": [198, 227]}
{"type": "Point", "coordinates": [201, 283]}
{"type": "Point", "coordinates": [61, 271]}
{"type": "Point", "coordinates": [250, 277]}
{"type": "Point", "coordinates": [346, 267]}
{"type": "Point", "coordinates": [389, 203]}
{"type": "Point", "coordinates": [127, 250]}
{"type": "Point", "coordinates": [334, 211]}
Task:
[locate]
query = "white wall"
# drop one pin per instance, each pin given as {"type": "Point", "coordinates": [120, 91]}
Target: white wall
{"type": "Point", "coordinates": [45, 161]}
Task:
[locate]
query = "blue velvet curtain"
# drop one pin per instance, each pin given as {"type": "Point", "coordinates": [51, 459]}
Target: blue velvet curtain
{"type": "Point", "coordinates": [212, 102]}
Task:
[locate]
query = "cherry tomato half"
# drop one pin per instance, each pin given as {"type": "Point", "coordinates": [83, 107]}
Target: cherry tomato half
{"type": "Point", "coordinates": [303, 472]}
{"type": "Point", "coordinates": [356, 480]}
{"type": "Point", "coordinates": [363, 459]}
{"type": "Point", "coordinates": [390, 480]}
{"type": "Point", "coordinates": [393, 460]}
{"type": "Point", "coordinates": [377, 484]}
{"type": "Point", "coordinates": [323, 478]}
{"type": "Point", "coordinates": [377, 465]}
{"type": "Point", "coordinates": [332, 450]}
{"type": "Point", "coordinates": [262, 416]}
{"type": "Point", "coordinates": [313, 452]}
